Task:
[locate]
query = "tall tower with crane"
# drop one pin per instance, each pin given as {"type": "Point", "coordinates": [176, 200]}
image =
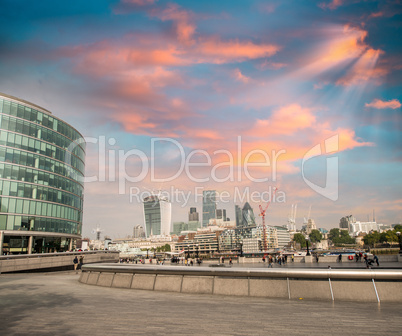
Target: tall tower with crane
{"type": "Point", "coordinates": [262, 214]}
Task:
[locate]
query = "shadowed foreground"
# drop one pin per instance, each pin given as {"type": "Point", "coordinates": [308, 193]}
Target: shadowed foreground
{"type": "Point", "coordinates": [56, 303]}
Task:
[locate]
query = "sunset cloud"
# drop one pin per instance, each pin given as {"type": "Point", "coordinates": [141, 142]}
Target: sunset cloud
{"type": "Point", "coordinates": [184, 26]}
{"type": "Point", "coordinates": [240, 77]}
{"type": "Point", "coordinates": [380, 104]}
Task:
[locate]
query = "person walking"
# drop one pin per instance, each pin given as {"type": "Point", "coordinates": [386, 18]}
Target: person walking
{"type": "Point", "coordinates": [376, 260]}
{"type": "Point", "coordinates": [270, 262]}
{"type": "Point", "coordinates": [75, 261]}
{"type": "Point", "coordinates": [81, 262]}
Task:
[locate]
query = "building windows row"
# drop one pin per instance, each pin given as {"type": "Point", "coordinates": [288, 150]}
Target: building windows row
{"type": "Point", "coordinates": [25, 190]}
{"type": "Point", "coordinates": [38, 208]}
{"type": "Point", "coordinates": [36, 146]}
{"type": "Point", "coordinates": [38, 161]}
{"type": "Point", "coordinates": [23, 174]}
{"type": "Point", "coordinates": [30, 129]}
{"type": "Point", "coordinates": [25, 223]}
{"type": "Point", "coordinates": [38, 117]}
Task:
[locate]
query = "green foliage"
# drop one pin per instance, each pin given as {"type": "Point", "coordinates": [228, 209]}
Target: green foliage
{"type": "Point", "coordinates": [299, 238]}
{"type": "Point", "coordinates": [398, 228]}
{"type": "Point", "coordinates": [315, 236]}
{"type": "Point", "coordinates": [372, 238]}
{"type": "Point", "coordinates": [340, 237]}
{"type": "Point", "coordinates": [333, 233]}
{"type": "Point", "coordinates": [164, 248]}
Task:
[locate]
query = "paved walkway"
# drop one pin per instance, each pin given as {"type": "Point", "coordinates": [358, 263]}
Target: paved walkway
{"type": "Point", "coordinates": [57, 304]}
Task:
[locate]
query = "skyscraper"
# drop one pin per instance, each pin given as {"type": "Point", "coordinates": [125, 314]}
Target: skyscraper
{"type": "Point", "coordinates": [157, 216]}
{"type": "Point", "coordinates": [248, 215]}
{"type": "Point", "coordinates": [208, 206]}
{"type": "Point", "coordinates": [221, 214]}
{"type": "Point", "coordinates": [239, 216]}
{"type": "Point", "coordinates": [193, 215]}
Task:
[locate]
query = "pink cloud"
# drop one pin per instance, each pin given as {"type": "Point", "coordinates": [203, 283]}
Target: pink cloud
{"type": "Point", "coordinates": [214, 50]}
{"type": "Point", "coordinates": [334, 4]}
{"type": "Point", "coordinates": [364, 70]}
{"type": "Point", "coordinates": [240, 77]}
{"type": "Point", "coordinates": [344, 49]}
{"type": "Point", "coordinates": [185, 29]}
{"type": "Point", "coordinates": [379, 104]}
{"type": "Point", "coordinates": [284, 121]}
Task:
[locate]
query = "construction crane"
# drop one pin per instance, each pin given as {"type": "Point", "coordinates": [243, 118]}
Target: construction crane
{"type": "Point", "coordinates": [262, 214]}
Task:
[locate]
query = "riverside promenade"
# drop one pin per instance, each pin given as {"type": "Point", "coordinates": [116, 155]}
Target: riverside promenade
{"type": "Point", "coordinates": [57, 304]}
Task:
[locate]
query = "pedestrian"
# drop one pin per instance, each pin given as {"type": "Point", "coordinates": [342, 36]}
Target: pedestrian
{"type": "Point", "coordinates": [81, 262]}
{"type": "Point", "coordinates": [270, 262]}
{"type": "Point", "coordinates": [293, 258]}
{"type": "Point", "coordinates": [316, 257]}
{"type": "Point", "coordinates": [75, 261]}
{"type": "Point", "coordinates": [223, 260]}
{"type": "Point", "coordinates": [340, 258]}
{"type": "Point", "coordinates": [376, 260]}
{"type": "Point", "coordinates": [263, 259]}
{"type": "Point", "coordinates": [230, 261]}
{"type": "Point", "coordinates": [365, 260]}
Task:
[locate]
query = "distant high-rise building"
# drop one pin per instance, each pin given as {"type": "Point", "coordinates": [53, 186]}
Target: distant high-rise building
{"type": "Point", "coordinates": [221, 214]}
{"type": "Point", "coordinates": [239, 215]}
{"type": "Point", "coordinates": [208, 206]}
{"type": "Point", "coordinates": [157, 215]}
{"type": "Point", "coordinates": [138, 231]}
{"type": "Point", "coordinates": [248, 215]}
{"type": "Point", "coordinates": [193, 215]}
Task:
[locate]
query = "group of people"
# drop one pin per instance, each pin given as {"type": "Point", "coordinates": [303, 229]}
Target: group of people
{"type": "Point", "coordinates": [363, 257]}
{"type": "Point", "coordinates": [279, 259]}
{"type": "Point", "coordinates": [78, 263]}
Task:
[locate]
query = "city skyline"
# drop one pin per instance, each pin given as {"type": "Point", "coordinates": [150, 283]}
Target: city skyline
{"type": "Point", "coordinates": [312, 89]}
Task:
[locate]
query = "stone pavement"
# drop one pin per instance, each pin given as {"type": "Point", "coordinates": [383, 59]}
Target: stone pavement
{"type": "Point", "coordinates": [57, 304]}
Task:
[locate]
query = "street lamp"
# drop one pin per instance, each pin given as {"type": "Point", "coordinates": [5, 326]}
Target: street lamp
{"type": "Point", "coordinates": [308, 251]}
{"type": "Point", "coordinates": [197, 253]}
{"type": "Point", "coordinates": [241, 249]}
{"type": "Point", "coordinates": [188, 251]}
{"type": "Point", "coordinates": [147, 252]}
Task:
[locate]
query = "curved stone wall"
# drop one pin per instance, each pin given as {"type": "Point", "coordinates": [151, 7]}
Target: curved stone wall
{"type": "Point", "coordinates": [315, 284]}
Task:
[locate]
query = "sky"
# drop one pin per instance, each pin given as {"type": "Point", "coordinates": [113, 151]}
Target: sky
{"type": "Point", "coordinates": [241, 97]}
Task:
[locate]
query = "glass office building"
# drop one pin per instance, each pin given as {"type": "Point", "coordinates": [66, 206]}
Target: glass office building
{"type": "Point", "coordinates": [157, 216]}
{"type": "Point", "coordinates": [208, 206]}
{"type": "Point", "coordinates": [41, 179]}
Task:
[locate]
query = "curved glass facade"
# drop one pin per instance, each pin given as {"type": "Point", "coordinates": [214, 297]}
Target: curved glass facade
{"type": "Point", "coordinates": [41, 170]}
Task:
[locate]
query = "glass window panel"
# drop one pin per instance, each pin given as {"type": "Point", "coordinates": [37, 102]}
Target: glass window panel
{"type": "Point", "coordinates": [11, 205]}
{"type": "Point", "coordinates": [39, 208]}
{"type": "Point", "coordinates": [10, 223]}
{"type": "Point", "coordinates": [32, 208]}
{"type": "Point", "coordinates": [4, 204]}
{"type": "Point", "coordinates": [19, 206]}
{"type": "Point", "coordinates": [25, 208]}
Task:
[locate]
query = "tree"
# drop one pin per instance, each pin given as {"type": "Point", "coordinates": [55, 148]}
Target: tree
{"type": "Point", "coordinates": [372, 238]}
{"type": "Point", "coordinates": [333, 233]}
{"type": "Point", "coordinates": [398, 228]}
{"type": "Point", "coordinates": [315, 236]}
{"type": "Point", "coordinates": [340, 237]}
{"type": "Point", "coordinates": [299, 238]}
